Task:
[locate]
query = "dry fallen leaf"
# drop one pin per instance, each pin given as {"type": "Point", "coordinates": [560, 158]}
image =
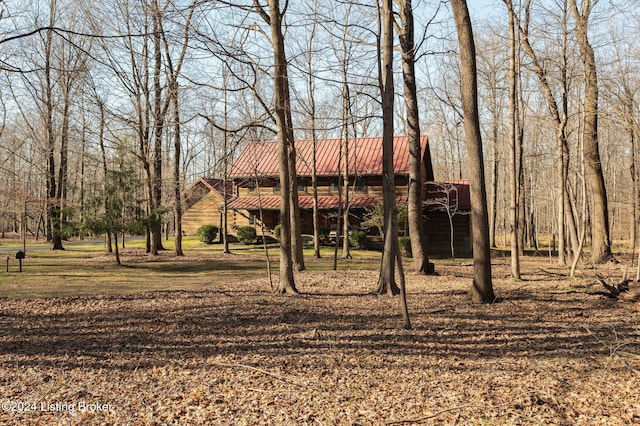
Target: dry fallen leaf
{"type": "Point", "coordinates": [239, 354]}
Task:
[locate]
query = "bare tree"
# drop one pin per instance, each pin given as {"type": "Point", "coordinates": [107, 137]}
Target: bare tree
{"type": "Point", "coordinates": [173, 72]}
{"type": "Point", "coordinates": [59, 65]}
{"type": "Point", "coordinates": [386, 281]}
{"type": "Point", "coordinates": [492, 72]}
{"type": "Point", "coordinates": [415, 201]}
{"type": "Point", "coordinates": [160, 109]}
{"type": "Point", "coordinates": [482, 289]}
{"type": "Point", "coordinates": [103, 156]}
{"type": "Point", "coordinates": [225, 173]}
{"type": "Point", "coordinates": [312, 112]}
{"type": "Point", "coordinates": [621, 90]}
{"type": "Point", "coordinates": [285, 139]}
{"type": "Point", "coordinates": [53, 203]}
{"type": "Point", "coordinates": [346, 113]}
{"type": "Point", "coordinates": [448, 202]}
{"type": "Point", "coordinates": [513, 136]}
{"type": "Point", "coordinates": [127, 57]}
{"type": "Point", "coordinates": [558, 112]}
{"type": "Point", "coordinates": [600, 240]}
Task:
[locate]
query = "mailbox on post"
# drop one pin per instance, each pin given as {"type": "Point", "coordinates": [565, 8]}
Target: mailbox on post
{"type": "Point", "coordinates": [20, 255]}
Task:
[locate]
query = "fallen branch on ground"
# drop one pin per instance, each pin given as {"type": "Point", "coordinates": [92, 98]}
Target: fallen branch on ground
{"type": "Point", "coordinates": [265, 372]}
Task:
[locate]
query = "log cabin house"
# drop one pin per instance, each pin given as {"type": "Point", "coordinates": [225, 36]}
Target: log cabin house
{"type": "Point", "coordinates": [203, 202]}
{"type": "Point", "coordinates": [256, 192]}
{"type": "Point", "coordinates": [255, 176]}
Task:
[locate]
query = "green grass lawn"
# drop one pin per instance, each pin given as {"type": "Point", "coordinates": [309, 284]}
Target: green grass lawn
{"type": "Point", "coordinates": [84, 268]}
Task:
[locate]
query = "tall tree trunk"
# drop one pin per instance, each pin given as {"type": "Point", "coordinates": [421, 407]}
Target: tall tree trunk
{"type": "Point", "coordinates": [53, 202]}
{"type": "Point", "coordinates": [143, 116]}
{"type": "Point", "coordinates": [522, 194]}
{"type": "Point", "coordinates": [117, 252]}
{"type": "Point", "coordinates": [285, 140]}
{"type": "Point", "coordinates": [634, 175]}
{"type": "Point", "coordinates": [386, 281]}
{"type": "Point", "coordinates": [225, 206]}
{"type": "Point", "coordinates": [296, 224]}
{"type": "Point", "coordinates": [495, 128]}
{"type": "Point", "coordinates": [415, 201]}
{"type": "Point", "coordinates": [63, 167]}
{"type": "Point", "coordinates": [83, 158]}
{"type": "Point", "coordinates": [344, 153]}
{"type": "Point", "coordinates": [404, 309]}
{"type": "Point", "coordinates": [482, 288]}
{"type": "Point", "coordinates": [600, 240]}
{"type": "Point", "coordinates": [564, 208]}
{"type": "Point", "coordinates": [513, 143]}
{"type": "Point", "coordinates": [103, 154]}
{"type": "Point", "coordinates": [567, 229]}
{"type": "Point", "coordinates": [174, 98]}
{"type": "Point", "coordinates": [297, 248]}
{"type": "Point", "coordinates": [158, 127]}
{"type": "Point", "coordinates": [346, 101]}
{"type": "Point", "coordinates": [338, 219]}
{"type": "Point", "coordinates": [314, 143]}
{"type": "Point", "coordinates": [314, 185]}
{"type": "Point", "coordinates": [346, 254]}
{"type": "Point", "coordinates": [177, 184]}
{"type": "Point", "coordinates": [562, 153]}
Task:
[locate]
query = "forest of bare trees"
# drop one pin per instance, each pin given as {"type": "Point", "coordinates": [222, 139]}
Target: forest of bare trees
{"type": "Point", "coordinates": [157, 93]}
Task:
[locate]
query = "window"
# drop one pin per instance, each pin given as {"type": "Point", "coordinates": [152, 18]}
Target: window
{"type": "Point", "coordinates": [335, 184]}
{"type": "Point", "coordinates": [360, 184]}
{"type": "Point", "coordinates": [252, 219]}
{"type": "Point", "coordinates": [302, 185]}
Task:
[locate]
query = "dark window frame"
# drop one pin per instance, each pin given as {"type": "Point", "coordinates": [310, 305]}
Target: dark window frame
{"type": "Point", "coordinates": [301, 185]}
{"type": "Point", "coordinates": [334, 184]}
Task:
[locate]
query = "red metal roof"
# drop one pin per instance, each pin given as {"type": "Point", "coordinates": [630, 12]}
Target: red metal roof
{"type": "Point", "coordinates": [254, 203]}
{"type": "Point", "coordinates": [365, 157]}
{"type": "Point", "coordinates": [305, 202]}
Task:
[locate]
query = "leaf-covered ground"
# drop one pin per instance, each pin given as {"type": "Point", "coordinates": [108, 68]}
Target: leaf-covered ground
{"type": "Point", "coordinates": [551, 352]}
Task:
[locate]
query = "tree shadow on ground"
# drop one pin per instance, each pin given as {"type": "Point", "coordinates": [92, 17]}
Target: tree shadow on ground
{"type": "Point", "coordinates": [151, 329]}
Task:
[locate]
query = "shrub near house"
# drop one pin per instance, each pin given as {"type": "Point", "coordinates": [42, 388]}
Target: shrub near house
{"type": "Point", "coordinates": [207, 233]}
{"type": "Point", "coordinates": [405, 245]}
{"type": "Point", "coordinates": [246, 234]}
{"type": "Point", "coordinates": [358, 239]}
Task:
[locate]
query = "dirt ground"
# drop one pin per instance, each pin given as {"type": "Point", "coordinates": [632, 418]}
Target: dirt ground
{"type": "Point", "coordinates": [551, 352]}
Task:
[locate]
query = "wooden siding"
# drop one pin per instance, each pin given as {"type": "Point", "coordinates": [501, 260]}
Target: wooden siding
{"type": "Point", "coordinates": [372, 187]}
{"type": "Point", "coordinates": [436, 224]}
{"type": "Point", "coordinates": [204, 212]}
{"type": "Point", "coordinates": [438, 234]}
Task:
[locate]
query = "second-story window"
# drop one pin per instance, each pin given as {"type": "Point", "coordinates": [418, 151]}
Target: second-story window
{"type": "Point", "coordinates": [302, 185]}
{"type": "Point", "coordinates": [334, 185]}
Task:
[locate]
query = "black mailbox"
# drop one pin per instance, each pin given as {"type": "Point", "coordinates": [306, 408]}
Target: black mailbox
{"type": "Point", "coordinates": [20, 255]}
